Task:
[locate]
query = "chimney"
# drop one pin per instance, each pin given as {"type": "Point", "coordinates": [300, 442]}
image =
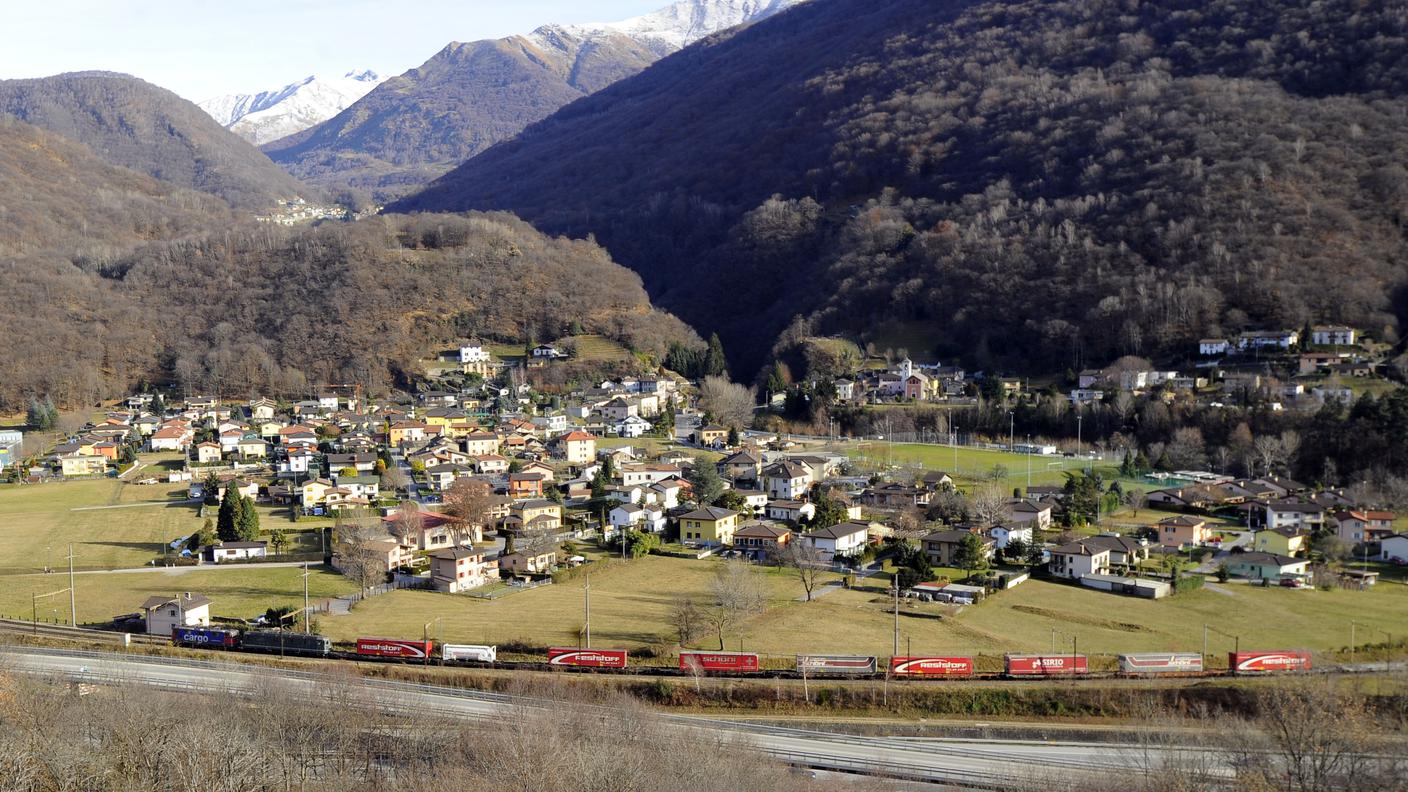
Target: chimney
{"type": "Point", "coordinates": [188, 595]}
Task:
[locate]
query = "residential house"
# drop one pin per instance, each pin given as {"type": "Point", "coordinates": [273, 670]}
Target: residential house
{"type": "Point", "coordinates": [1183, 531]}
{"type": "Point", "coordinates": [1266, 566]}
{"type": "Point", "coordinates": [456, 569]}
{"type": "Point", "coordinates": [237, 551]}
{"type": "Point", "coordinates": [1124, 552]}
{"type": "Point", "coordinates": [1268, 339]}
{"type": "Point", "coordinates": [841, 540]}
{"type": "Point", "coordinates": [1394, 549]}
{"type": "Point", "coordinates": [440, 477]}
{"type": "Point", "coordinates": [164, 614]}
{"type": "Point", "coordinates": [207, 453]}
{"type": "Point", "coordinates": [761, 540]}
{"type": "Point", "coordinates": [362, 462]}
{"type": "Point", "coordinates": [631, 426]}
{"type": "Point", "coordinates": [526, 485]}
{"type": "Point", "coordinates": [313, 492]}
{"type": "Point", "coordinates": [250, 447]}
{"type": "Point", "coordinates": [1295, 514]}
{"type": "Point", "coordinates": [1025, 511]}
{"type": "Point", "coordinates": [83, 465]}
{"type": "Point", "coordinates": [709, 525]}
{"type": "Point", "coordinates": [1281, 541]}
{"type": "Point", "coordinates": [368, 487]}
{"type": "Point", "coordinates": [667, 493]}
{"type": "Point", "coordinates": [710, 436]}
{"type": "Point", "coordinates": [526, 563]}
{"type": "Point", "coordinates": [1213, 346]}
{"type": "Point", "coordinates": [1003, 535]}
{"type": "Point", "coordinates": [480, 443]}
{"type": "Point", "coordinates": [645, 473]}
{"type": "Point", "coordinates": [897, 496]}
{"type": "Point", "coordinates": [436, 530]}
{"type": "Point", "coordinates": [491, 464]}
{"type": "Point", "coordinates": [534, 516]}
{"type": "Point", "coordinates": [756, 500]}
{"type": "Point", "coordinates": [740, 466]}
{"type": "Point", "coordinates": [788, 480]}
{"type": "Point", "coordinates": [576, 447]}
{"type": "Point", "coordinates": [1333, 335]}
{"type": "Point", "coordinates": [643, 518]}
{"type": "Point", "coordinates": [791, 511]}
{"type": "Point", "coordinates": [1078, 559]}
{"type": "Point", "coordinates": [1363, 525]}
{"type": "Point", "coordinates": [171, 437]}
{"type": "Point", "coordinates": [942, 546]}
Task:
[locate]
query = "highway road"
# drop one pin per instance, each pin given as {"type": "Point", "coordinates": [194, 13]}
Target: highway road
{"type": "Point", "coordinates": [969, 764]}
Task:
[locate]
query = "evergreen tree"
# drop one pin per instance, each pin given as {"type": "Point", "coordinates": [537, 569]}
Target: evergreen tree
{"type": "Point", "coordinates": [158, 405]}
{"type": "Point", "coordinates": [227, 519]}
{"type": "Point", "coordinates": [970, 555]}
{"type": "Point", "coordinates": [247, 524]}
{"type": "Point", "coordinates": [706, 482]}
{"type": "Point", "coordinates": [714, 361]}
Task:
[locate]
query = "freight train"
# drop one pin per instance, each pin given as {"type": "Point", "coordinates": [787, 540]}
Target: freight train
{"type": "Point", "coordinates": [740, 664]}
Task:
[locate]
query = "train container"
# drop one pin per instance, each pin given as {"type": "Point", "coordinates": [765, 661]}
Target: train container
{"type": "Point", "coordinates": [836, 664]}
{"type": "Point", "coordinates": [211, 637]}
{"type": "Point", "coordinates": [932, 666]}
{"type": "Point", "coordinates": [1267, 662]}
{"type": "Point", "coordinates": [1046, 665]}
{"type": "Point", "coordinates": [1161, 663]}
{"type": "Point", "coordinates": [587, 658]}
{"type": "Point", "coordinates": [474, 653]}
{"type": "Point", "coordinates": [281, 642]}
{"type": "Point", "coordinates": [395, 647]}
{"type": "Point", "coordinates": [726, 662]}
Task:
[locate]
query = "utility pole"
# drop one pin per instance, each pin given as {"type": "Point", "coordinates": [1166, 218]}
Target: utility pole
{"type": "Point", "coordinates": [1351, 642]}
{"type": "Point", "coordinates": [896, 589]}
{"type": "Point", "coordinates": [1029, 464]}
{"type": "Point", "coordinates": [587, 605]}
{"type": "Point", "coordinates": [1011, 431]}
{"type": "Point", "coordinates": [72, 601]}
{"type": "Point", "coordinates": [305, 597]}
{"type": "Point", "coordinates": [1079, 418]}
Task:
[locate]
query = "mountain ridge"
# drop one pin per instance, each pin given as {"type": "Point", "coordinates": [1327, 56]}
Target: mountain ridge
{"type": "Point", "coordinates": [267, 116]}
{"type": "Point", "coordinates": [470, 95]}
{"type": "Point", "coordinates": [1034, 184]}
{"type": "Point", "coordinates": [133, 124]}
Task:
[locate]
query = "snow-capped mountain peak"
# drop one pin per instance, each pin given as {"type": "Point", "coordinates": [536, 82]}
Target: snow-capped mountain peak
{"type": "Point", "coordinates": [680, 24]}
{"type": "Point", "coordinates": [269, 115]}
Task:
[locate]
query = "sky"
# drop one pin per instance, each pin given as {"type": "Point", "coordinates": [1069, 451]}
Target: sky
{"type": "Point", "coordinates": [205, 48]}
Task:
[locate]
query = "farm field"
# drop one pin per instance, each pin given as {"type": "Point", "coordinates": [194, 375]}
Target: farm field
{"type": "Point", "coordinates": [39, 520]}
{"type": "Point", "coordinates": [631, 606]}
{"type": "Point", "coordinates": [241, 591]}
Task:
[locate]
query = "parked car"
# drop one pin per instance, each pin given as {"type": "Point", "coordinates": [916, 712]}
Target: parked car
{"type": "Point", "coordinates": [1292, 583]}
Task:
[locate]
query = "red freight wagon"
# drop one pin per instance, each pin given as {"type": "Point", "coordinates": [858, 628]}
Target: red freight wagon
{"type": "Point", "coordinates": [588, 658]}
{"type": "Point", "coordinates": [391, 647]}
{"type": "Point", "coordinates": [1046, 665]}
{"type": "Point", "coordinates": [1266, 662]}
{"type": "Point", "coordinates": [931, 666]}
{"type": "Point", "coordinates": [738, 662]}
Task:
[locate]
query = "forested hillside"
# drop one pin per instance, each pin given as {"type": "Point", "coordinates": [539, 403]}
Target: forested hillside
{"type": "Point", "coordinates": [55, 192]}
{"type": "Point", "coordinates": [1045, 184]}
{"type": "Point", "coordinates": [267, 309]}
{"type": "Point", "coordinates": [136, 125]}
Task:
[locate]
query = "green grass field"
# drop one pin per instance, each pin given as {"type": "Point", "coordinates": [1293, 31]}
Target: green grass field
{"type": "Point", "coordinates": [39, 520]}
{"type": "Point", "coordinates": [631, 606]}
{"type": "Point", "coordinates": [968, 465]}
{"type": "Point", "coordinates": [240, 591]}
{"type": "Point", "coordinates": [630, 603]}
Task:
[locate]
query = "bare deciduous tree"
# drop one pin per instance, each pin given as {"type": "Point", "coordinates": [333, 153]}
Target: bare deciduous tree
{"type": "Point", "coordinates": [408, 521]}
{"type": "Point", "coordinates": [988, 505]}
{"type": "Point", "coordinates": [805, 561]}
{"type": "Point", "coordinates": [359, 545]}
{"type": "Point", "coordinates": [737, 591]}
{"type": "Point", "coordinates": [729, 404]}
{"type": "Point", "coordinates": [469, 501]}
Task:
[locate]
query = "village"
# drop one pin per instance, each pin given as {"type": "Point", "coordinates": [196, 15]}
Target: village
{"type": "Point", "coordinates": [496, 489]}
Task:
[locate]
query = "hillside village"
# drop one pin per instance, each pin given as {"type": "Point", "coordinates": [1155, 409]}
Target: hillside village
{"type": "Point", "coordinates": [463, 491]}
